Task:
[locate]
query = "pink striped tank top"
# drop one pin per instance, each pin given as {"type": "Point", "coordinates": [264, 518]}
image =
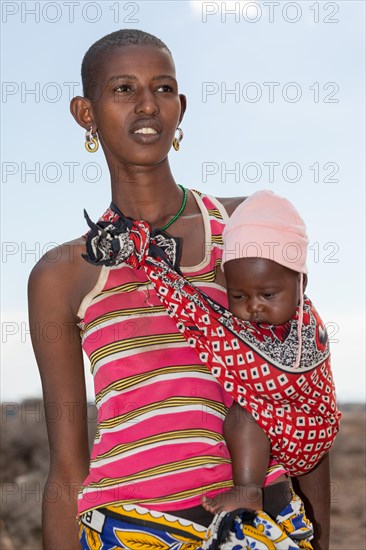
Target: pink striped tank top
{"type": "Point", "coordinates": [159, 440]}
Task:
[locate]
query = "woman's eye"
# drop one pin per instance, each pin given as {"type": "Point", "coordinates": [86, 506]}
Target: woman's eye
{"type": "Point", "coordinates": [123, 88]}
{"type": "Point", "coordinates": [164, 88]}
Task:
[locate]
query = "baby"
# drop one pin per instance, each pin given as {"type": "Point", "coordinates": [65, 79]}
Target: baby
{"type": "Point", "coordinates": [269, 351]}
{"type": "Point", "coordinates": [264, 260]}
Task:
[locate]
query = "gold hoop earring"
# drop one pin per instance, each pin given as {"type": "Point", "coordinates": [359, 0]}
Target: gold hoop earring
{"type": "Point", "coordinates": [176, 141]}
{"type": "Point", "coordinates": [91, 141]}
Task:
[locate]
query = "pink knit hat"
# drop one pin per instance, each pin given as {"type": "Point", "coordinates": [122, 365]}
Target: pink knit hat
{"type": "Point", "coordinates": [266, 226]}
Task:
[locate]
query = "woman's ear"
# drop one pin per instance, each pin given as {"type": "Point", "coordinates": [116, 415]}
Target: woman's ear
{"type": "Point", "coordinates": [81, 110]}
{"type": "Point", "coordinates": [183, 107]}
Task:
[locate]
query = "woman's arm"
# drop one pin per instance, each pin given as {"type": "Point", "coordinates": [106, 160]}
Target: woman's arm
{"type": "Point", "coordinates": [314, 489]}
{"type": "Point", "coordinates": [56, 343]}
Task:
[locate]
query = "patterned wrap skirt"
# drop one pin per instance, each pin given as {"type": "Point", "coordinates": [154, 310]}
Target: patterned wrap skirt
{"type": "Point", "coordinates": [136, 528]}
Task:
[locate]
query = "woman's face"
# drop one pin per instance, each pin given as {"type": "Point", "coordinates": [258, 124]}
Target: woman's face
{"type": "Point", "coordinates": [137, 107]}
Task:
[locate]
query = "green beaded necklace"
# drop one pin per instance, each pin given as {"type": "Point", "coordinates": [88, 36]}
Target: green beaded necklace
{"type": "Point", "coordinates": [183, 205]}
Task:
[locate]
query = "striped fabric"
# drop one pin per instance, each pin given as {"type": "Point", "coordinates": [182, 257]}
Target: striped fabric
{"type": "Point", "coordinates": [159, 440]}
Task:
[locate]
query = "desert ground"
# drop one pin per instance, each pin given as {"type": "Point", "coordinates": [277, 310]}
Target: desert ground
{"type": "Point", "coordinates": [24, 464]}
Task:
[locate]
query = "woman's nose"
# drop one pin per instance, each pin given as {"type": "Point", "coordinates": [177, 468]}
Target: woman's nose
{"type": "Point", "coordinates": [146, 103]}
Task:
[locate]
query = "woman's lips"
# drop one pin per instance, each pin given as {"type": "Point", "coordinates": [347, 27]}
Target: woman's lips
{"type": "Point", "coordinates": [146, 131]}
{"type": "Point", "coordinates": [146, 137]}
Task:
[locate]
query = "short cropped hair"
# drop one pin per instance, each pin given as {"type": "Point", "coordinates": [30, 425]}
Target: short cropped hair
{"type": "Point", "coordinates": [123, 37]}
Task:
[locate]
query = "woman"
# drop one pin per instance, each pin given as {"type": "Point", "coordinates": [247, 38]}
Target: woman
{"type": "Point", "coordinates": [159, 442]}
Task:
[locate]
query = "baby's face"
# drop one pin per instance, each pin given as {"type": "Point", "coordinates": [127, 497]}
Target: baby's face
{"type": "Point", "coordinates": [261, 291]}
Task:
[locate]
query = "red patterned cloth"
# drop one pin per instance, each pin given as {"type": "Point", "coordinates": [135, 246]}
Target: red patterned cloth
{"type": "Point", "coordinates": [254, 362]}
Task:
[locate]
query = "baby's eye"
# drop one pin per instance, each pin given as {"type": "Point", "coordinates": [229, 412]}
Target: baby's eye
{"type": "Point", "coordinates": [269, 295]}
{"type": "Point", "coordinates": [237, 296]}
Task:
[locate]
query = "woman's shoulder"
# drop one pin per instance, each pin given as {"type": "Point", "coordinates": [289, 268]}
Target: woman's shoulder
{"type": "Point", "coordinates": [62, 271]}
{"type": "Point", "coordinates": [230, 203]}
{"type": "Point", "coordinates": [60, 259]}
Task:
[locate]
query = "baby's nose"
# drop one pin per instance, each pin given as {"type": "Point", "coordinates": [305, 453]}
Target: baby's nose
{"type": "Point", "coordinates": [255, 305]}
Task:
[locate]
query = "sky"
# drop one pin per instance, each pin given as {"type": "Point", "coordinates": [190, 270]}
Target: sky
{"type": "Point", "coordinates": [275, 101]}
